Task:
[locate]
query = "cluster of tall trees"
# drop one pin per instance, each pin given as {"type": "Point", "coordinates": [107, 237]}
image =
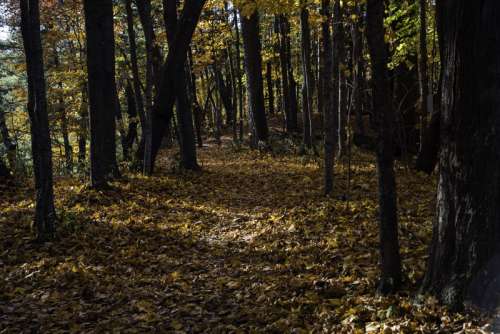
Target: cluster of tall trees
{"type": "Point", "coordinates": [330, 61]}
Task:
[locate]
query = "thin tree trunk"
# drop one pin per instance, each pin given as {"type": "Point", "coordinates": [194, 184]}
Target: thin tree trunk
{"type": "Point", "coordinates": [329, 93]}
{"type": "Point", "coordinates": [239, 74]}
{"type": "Point", "coordinates": [83, 128]}
{"type": "Point", "coordinates": [357, 54]}
{"type": "Point", "coordinates": [424, 86]}
{"type": "Point", "coordinates": [45, 213]}
{"type": "Point", "coordinates": [307, 75]}
{"type": "Point", "coordinates": [389, 245]}
{"type": "Point", "coordinates": [9, 144]}
{"type": "Point", "coordinates": [270, 91]}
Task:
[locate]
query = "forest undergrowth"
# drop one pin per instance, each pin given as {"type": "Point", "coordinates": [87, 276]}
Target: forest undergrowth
{"type": "Point", "coordinates": [250, 244]}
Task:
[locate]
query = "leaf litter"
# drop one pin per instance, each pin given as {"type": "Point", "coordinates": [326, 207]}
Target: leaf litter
{"type": "Point", "coordinates": [249, 245]}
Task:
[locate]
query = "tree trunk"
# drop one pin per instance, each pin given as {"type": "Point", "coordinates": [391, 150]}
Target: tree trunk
{"type": "Point", "coordinates": [253, 68]}
{"type": "Point", "coordinates": [183, 107]}
{"type": "Point", "coordinates": [269, 83]}
{"type": "Point", "coordinates": [424, 86]}
{"type": "Point", "coordinates": [389, 245]}
{"type": "Point", "coordinates": [136, 78]}
{"type": "Point", "coordinates": [166, 93]}
{"type": "Point", "coordinates": [339, 45]}
{"type": "Point", "coordinates": [132, 119]}
{"type": "Point", "coordinates": [45, 216]}
{"type": "Point", "coordinates": [330, 96]}
{"type": "Point", "coordinates": [467, 227]}
{"type": "Point", "coordinates": [9, 144]}
{"type": "Point", "coordinates": [238, 74]}
{"type": "Point", "coordinates": [225, 95]}
{"type": "Point", "coordinates": [102, 86]}
{"type": "Point", "coordinates": [358, 76]}
{"type": "Point", "coordinates": [307, 75]}
{"type": "Point", "coordinates": [83, 128]}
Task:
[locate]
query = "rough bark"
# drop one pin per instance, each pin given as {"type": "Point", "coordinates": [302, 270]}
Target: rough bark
{"type": "Point", "coordinates": [253, 69]}
{"type": "Point", "coordinates": [45, 213]}
{"type": "Point", "coordinates": [390, 261]}
{"type": "Point", "coordinates": [102, 90]}
{"type": "Point", "coordinates": [467, 228]}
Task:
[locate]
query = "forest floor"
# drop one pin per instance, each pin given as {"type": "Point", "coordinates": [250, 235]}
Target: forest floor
{"type": "Point", "coordinates": [250, 244]}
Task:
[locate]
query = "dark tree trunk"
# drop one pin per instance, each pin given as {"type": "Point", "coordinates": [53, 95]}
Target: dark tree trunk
{"type": "Point", "coordinates": [467, 227]}
{"type": "Point", "coordinates": [307, 75]}
{"type": "Point", "coordinates": [9, 144]}
{"type": "Point", "coordinates": [225, 94]}
{"type": "Point", "coordinates": [197, 112]}
{"type": "Point", "coordinates": [183, 106]}
{"type": "Point", "coordinates": [102, 90]}
{"type": "Point", "coordinates": [144, 8]}
{"type": "Point", "coordinates": [358, 73]}
{"type": "Point", "coordinates": [166, 93]}
{"type": "Point", "coordinates": [136, 78]}
{"type": "Point", "coordinates": [253, 68]}
{"type": "Point", "coordinates": [389, 244]}
{"type": "Point", "coordinates": [269, 83]}
{"type": "Point", "coordinates": [330, 98]}
{"type": "Point", "coordinates": [45, 216]}
{"type": "Point", "coordinates": [239, 75]}
{"type": "Point", "coordinates": [83, 128]}
{"type": "Point", "coordinates": [132, 119]}
{"type": "Point", "coordinates": [286, 89]}
{"type": "Point", "coordinates": [339, 38]}
{"type": "Point", "coordinates": [424, 86]}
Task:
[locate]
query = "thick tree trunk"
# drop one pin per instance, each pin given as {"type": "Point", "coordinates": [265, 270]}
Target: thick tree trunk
{"type": "Point", "coordinates": [255, 86]}
{"type": "Point", "coordinates": [102, 86]}
{"type": "Point", "coordinates": [307, 76]}
{"type": "Point", "coordinates": [45, 216]}
{"type": "Point", "coordinates": [389, 245]}
{"type": "Point", "coordinates": [467, 229]}
{"type": "Point", "coordinates": [329, 119]}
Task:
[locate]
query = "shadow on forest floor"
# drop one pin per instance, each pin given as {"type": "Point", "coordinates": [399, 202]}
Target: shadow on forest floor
{"type": "Point", "coordinates": [249, 244]}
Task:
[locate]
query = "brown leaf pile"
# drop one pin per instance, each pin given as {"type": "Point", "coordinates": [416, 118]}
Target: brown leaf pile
{"type": "Point", "coordinates": [248, 245]}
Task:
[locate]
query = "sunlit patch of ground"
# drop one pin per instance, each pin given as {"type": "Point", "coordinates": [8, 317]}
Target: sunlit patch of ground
{"type": "Point", "coordinates": [247, 245]}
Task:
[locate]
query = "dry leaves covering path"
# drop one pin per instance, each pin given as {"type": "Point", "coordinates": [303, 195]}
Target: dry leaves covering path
{"type": "Point", "coordinates": [247, 245]}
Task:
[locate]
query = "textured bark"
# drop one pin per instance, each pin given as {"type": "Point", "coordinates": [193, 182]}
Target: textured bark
{"type": "Point", "coordinates": [253, 69]}
{"type": "Point", "coordinates": [102, 90]}
{"type": "Point", "coordinates": [45, 214]}
{"type": "Point", "coordinates": [467, 228]}
{"type": "Point", "coordinates": [307, 94]}
{"type": "Point", "coordinates": [329, 101]}
{"type": "Point", "coordinates": [390, 261]}
{"type": "Point", "coordinates": [239, 75]}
